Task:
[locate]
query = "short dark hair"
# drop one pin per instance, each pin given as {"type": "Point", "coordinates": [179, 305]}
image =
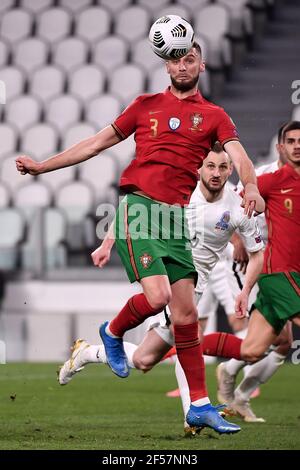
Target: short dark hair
{"type": "Point", "coordinates": [217, 147]}
{"type": "Point", "coordinates": [290, 126]}
{"type": "Point", "coordinates": [197, 47]}
{"type": "Point", "coordinates": [279, 133]}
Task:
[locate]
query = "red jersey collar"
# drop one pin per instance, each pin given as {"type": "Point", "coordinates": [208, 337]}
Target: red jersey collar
{"type": "Point", "coordinates": [196, 98]}
{"type": "Point", "coordinates": [291, 171]}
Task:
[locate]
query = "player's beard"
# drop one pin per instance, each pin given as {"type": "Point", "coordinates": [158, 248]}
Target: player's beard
{"type": "Point", "coordinates": [185, 86]}
{"type": "Point", "coordinates": [211, 189]}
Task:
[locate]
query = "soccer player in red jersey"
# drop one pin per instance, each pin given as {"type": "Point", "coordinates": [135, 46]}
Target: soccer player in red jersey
{"type": "Point", "coordinates": [278, 299]}
{"type": "Point", "coordinates": [174, 132]}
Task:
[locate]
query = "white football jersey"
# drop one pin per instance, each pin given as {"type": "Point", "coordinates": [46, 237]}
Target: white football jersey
{"type": "Point", "coordinates": [211, 225]}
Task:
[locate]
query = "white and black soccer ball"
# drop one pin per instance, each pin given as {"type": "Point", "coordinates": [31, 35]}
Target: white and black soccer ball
{"type": "Point", "coordinates": [171, 37]}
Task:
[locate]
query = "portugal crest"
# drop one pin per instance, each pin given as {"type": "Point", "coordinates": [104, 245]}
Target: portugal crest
{"type": "Point", "coordinates": [145, 260]}
{"type": "Point", "coordinates": [196, 119]}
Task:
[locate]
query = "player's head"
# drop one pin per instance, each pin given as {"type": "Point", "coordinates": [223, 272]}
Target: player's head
{"type": "Point", "coordinates": [216, 169]}
{"type": "Point", "coordinates": [290, 144]}
{"type": "Point", "coordinates": [184, 72]}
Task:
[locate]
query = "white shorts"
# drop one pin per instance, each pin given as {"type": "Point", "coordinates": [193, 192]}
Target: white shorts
{"type": "Point", "coordinates": [218, 290]}
{"type": "Point", "coordinates": [162, 328]}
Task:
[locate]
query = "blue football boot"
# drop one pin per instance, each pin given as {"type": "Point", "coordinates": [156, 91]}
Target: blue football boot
{"type": "Point", "coordinates": [115, 354]}
{"type": "Point", "coordinates": [209, 416]}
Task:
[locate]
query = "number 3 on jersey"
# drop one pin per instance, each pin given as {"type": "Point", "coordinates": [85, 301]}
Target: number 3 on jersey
{"type": "Point", "coordinates": [153, 127]}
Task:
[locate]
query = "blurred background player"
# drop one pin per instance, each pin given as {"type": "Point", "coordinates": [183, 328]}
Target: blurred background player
{"type": "Point", "coordinates": [278, 299]}
{"type": "Point", "coordinates": [263, 370]}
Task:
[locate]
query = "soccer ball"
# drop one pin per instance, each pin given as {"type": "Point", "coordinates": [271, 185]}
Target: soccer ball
{"type": "Point", "coordinates": [171, 37]}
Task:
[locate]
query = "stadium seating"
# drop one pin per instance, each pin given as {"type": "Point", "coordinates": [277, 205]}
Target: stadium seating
{"type": "Point", "coordinates": [14, 81]}
{"type": "Point", "coordinates": [56, 179]}
{"type": "Point", "coordinates": [39, 141]}
{"type": "Point", "coordinates": [4, 53]}
{"type": "Point", "coordinates": [86, 82]}
{"type": "Point", "coordinates": [110, 52]}
{"type": "Point", "coordinates": [36, 6]}
{"type": "Point", "coordinates": [76, 133]}
{"type": "Point", "coordinates": [70, 53]}
{"type": "Point", "coordinates": [100, 172]}
{"type": "Point", "coordinates": [62, 112]}
{"type": "Point", "coordinates": [30, 54]}
{"type": "Point", "coordinates": [102, 111]}
{"type": "Point", "coordinates": [16, 25]}
{"type": "Point", "coordinates": [4, 196]}
{"type": "Point", "coordinates": [8, 139]}
{"type": "Point", "coordinates": [114, 6]}
{"type": "Point", "coordinates": [127, 82]}
{"type": "Point", "coordinates": [6, 5]}
{"type": "Point", "coordinates": [47, 82]}
{"type": "Point", "coordinates": [93, 24]}
{"type": "Point", "coordinates": [30, 197]}
{"type": "Point", "coordinates": [11, 233]}
{"type": "Point", "coordinates": [8, 174]}
{"type": "Point", "coordinates": [54, 24]}
{"type": "Point", "coordinates": [23, 112]}
{"type": "Point", "coordinates": [54, 250]}
{"type": "Point", "coordinates": [132, 22]}
{"type": "Point", "coordinates": [75, 6]}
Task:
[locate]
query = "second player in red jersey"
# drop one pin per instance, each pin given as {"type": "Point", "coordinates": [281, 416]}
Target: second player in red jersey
{"type": "Point", "coordinates": [281, 191]}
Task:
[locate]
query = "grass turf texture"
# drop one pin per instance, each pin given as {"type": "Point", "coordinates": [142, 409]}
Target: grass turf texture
{"type": "Point", "coordinates": [100, 411]}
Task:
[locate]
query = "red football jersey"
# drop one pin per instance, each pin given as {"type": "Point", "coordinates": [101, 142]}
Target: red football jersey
{"type": "Point", "coordinates": [172, 137]}
{"type": "Point", "coordinates": [281, 191]}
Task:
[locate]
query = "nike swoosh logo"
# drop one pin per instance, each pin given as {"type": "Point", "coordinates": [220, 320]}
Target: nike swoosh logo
{"type": "Point", "coordinates": [154, 112]}
{"type": "Point", "coordinates": [283, 191]}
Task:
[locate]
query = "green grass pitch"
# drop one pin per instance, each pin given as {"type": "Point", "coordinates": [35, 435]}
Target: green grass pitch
{"type": "Point", "coordinates": [100, 411]}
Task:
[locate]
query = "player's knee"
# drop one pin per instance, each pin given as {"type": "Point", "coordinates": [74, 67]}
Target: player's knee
{"type": "Point", "coordinates": [251, 354]}
{"type": "Point", "coordinates": [159, 299]}
{"type": "Point", "coordinates": [144, 363]}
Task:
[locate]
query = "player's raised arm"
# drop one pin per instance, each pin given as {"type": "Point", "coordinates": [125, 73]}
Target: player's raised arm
{"type": "Point", "coordinates": [252, 199]}
{"type": "Point", "coordinates": [80, 152]}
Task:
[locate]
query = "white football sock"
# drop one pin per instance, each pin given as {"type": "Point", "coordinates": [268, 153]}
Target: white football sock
{"type": "Point", "coordinates": [94, 353]}
{"type": "Point", "coordinates": [259, 373]}
{"type": "Point", "coordinates": [185, 392]}
{"type": "Point", "coordinates": [130, 349]}
{"type": "Point", "coordinates": [183, 387]}
{"type": "Point", "coordinates": [233, 366]}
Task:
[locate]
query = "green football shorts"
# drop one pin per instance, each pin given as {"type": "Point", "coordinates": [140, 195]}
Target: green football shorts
{"type": "Point", "coordinates": [152, 238]}
{"type": "Point", "coordinates": [278, 298]}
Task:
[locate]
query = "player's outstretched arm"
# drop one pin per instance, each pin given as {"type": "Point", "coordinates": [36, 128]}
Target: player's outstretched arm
{"type": "Point", "coordinates": [254, 268]}
{"type": "Point", "coordinates": [252, 200]}
{"type": "Point", "coordinates": [80, 152]}
{"type": "Point", "coordinates": [101, 255]}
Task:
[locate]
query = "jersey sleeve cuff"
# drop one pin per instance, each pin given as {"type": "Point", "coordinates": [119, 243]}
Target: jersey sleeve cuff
{"type": "Point", "coordinates": [118, 131]}
{"type": "Point", "coordinates": [229, 140]}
